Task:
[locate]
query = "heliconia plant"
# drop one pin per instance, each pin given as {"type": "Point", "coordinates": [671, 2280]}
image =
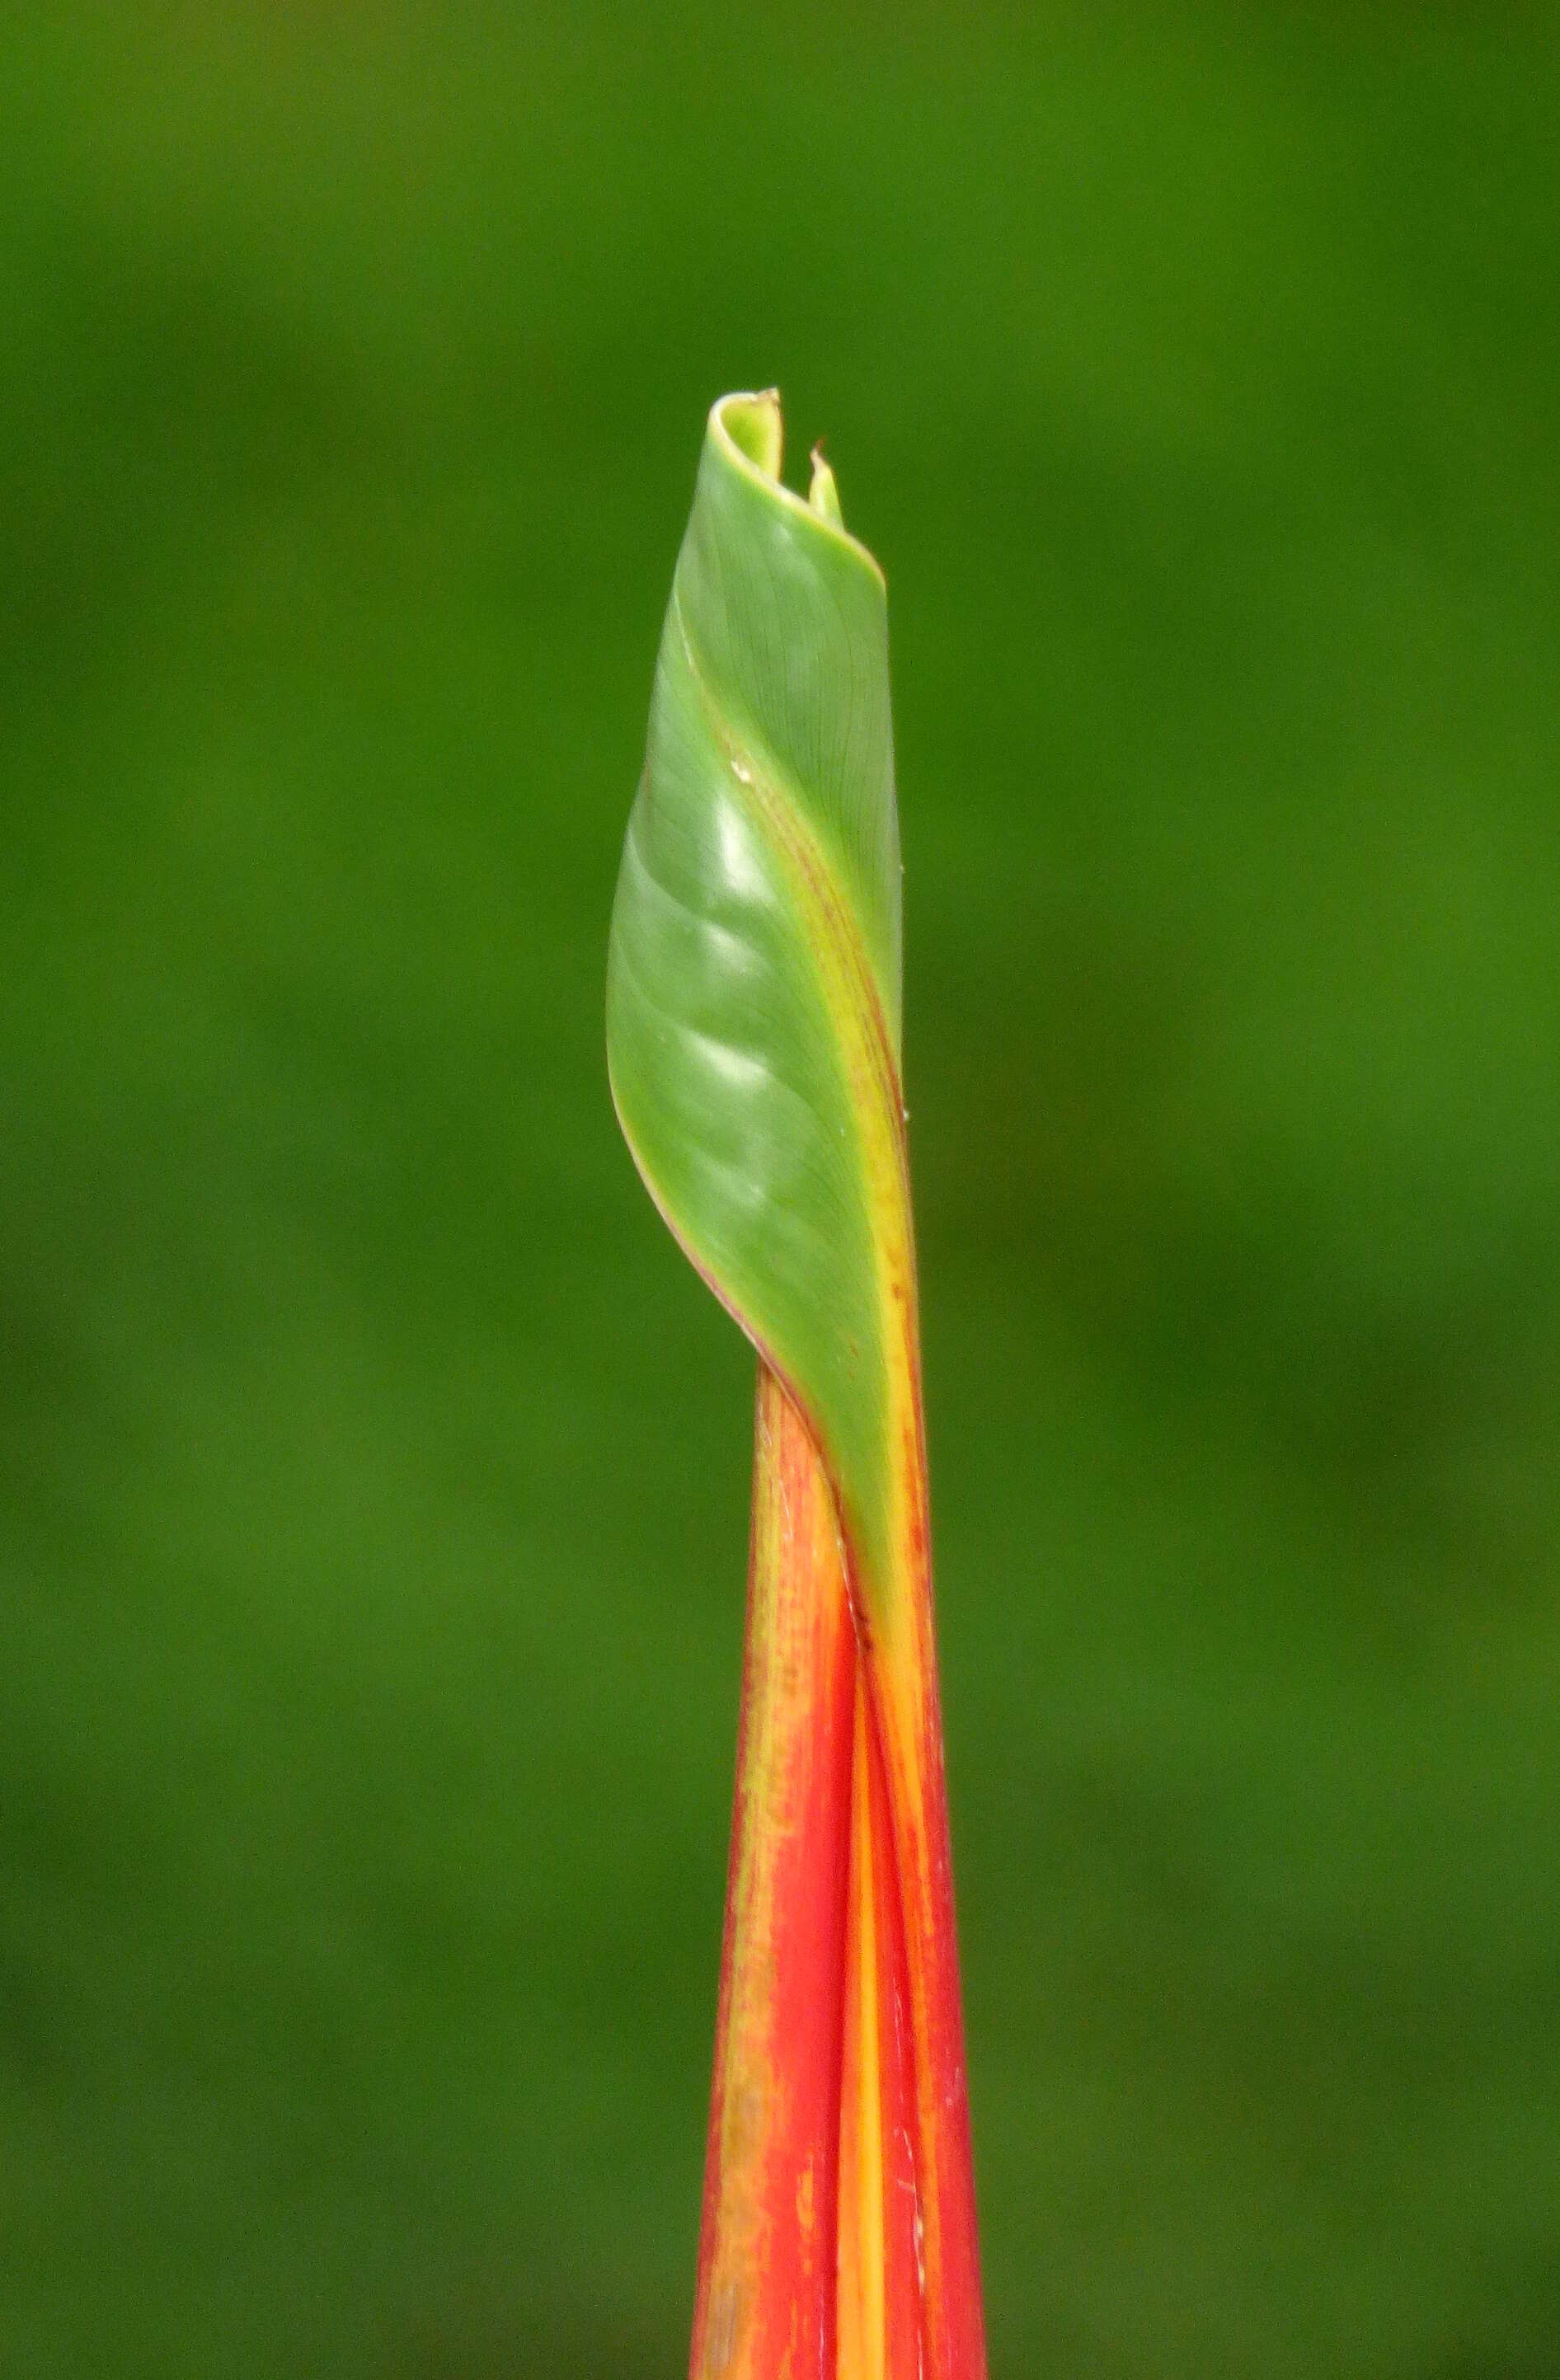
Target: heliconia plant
{"type": "Point", "coordinates": [753, 1041]}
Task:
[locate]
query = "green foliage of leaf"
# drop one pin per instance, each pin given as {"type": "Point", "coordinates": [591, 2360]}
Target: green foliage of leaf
{"type": "Point", "coordinates": [759, 897]}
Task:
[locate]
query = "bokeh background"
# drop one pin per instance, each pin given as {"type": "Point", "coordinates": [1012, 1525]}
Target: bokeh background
{"type": "Point", "coordinates": [372, 1472]}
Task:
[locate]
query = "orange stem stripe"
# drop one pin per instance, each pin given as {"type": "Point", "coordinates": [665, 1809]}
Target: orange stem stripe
{"type": "Point", "coordinates": [765, 2302]}
{"type": "Point", "coordinates": [901, 1670]}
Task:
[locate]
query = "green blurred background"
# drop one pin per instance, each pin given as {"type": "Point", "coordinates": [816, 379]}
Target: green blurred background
{"type": "Point", "coordinates": [372, 1472]}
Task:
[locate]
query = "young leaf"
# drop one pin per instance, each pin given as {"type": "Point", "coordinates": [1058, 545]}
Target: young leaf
{"type": "Point", "coordinates": [753, 1035]}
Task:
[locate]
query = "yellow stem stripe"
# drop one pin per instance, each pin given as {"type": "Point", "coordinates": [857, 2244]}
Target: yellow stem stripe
{"type": "Point", "coordinates": [862, 2354]}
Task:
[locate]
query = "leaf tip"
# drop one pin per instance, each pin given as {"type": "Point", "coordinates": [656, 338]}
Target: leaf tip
{"type": "Point", "coordinates": [824, 493]}
{"type": "Point", "coordinates": [755, 426]}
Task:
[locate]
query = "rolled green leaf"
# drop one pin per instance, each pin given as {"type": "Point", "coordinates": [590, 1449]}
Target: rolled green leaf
{"type": "Point", "coordinates": [753, 1041]}
{"type": "Point", "coordinates": [754, 987]}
